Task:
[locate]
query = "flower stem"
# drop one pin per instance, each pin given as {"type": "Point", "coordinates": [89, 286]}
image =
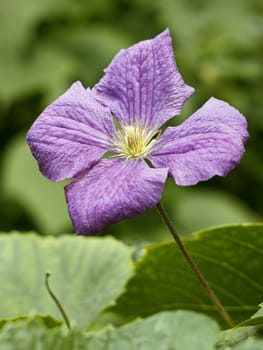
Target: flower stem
{"type": "Point", "coordinates": [62, 311]}
{"type": "Point", "coordinates": [194, 267]}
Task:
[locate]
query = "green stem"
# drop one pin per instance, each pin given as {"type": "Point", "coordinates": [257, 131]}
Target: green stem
{"type": "Point", "coordinates": [193, 265]}
{"type": "Point", "coordinates": [56, 301]}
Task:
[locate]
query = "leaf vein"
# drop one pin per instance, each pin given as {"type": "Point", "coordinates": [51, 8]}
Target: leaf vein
{"type": "Point", "coordinates": [228, 267]}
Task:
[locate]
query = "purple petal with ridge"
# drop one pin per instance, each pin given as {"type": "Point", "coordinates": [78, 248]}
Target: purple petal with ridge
{"type": "Point", "coordinates": [142, 83]}
{"type": "Point", "coordinates": [113, 190]}
{"type": "Point", "coordinates": [210, 142]}
{"type": "Point", "coordinates": [71, 135]}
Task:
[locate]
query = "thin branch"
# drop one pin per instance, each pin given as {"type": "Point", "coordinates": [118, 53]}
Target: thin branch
{"type": "Point", "coordinates": [216, 301]}
{"type": "Point", "coordinates": [56, 301]}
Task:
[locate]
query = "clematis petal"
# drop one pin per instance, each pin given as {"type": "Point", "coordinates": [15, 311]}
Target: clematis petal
{"type": "Point", "coordinates": [210, 142]}
{"type": "Point", "coordinates": [142, 84]}
{"type": "Point", "coordinates": [111, 191]}
{"type": "Point", "coordinates": [71, 134]}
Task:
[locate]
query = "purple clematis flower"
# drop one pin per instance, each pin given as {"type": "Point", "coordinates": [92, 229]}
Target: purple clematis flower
{"type": "Point", "coordinates": [140, 91]}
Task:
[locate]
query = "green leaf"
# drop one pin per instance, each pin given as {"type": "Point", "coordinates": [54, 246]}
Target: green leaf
{"type": "Point", "coordinates": [236, 338]}
{"type": "Point", "coordinates": [47, 320]}
{"type": "Point", "coordinates": [167, 330]}
{"type": "Point", "coordinates": [253, 321]}
{"type": "Point", "coordinates": [8, 320]}
{"type": "Point", "coordinates": [230, 258]}
{"type": "Point", "coordinates": [248, 344]}
{"type": "Point", "coordinates": [180, 330]}
{"type": "Point", "coordinates": [243, 338]}
{"type": "Point", "coordinates": [33, 333]}
{"type": "Point", "coordinates": [241, 332]}
{"type": "Point", "coordinates": [87, 275]}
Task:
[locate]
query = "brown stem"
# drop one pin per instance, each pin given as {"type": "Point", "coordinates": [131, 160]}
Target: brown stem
{"type": "Point", "coordinates": [56, 301]}
{"type": "Point", "coordinates": [193, 265]}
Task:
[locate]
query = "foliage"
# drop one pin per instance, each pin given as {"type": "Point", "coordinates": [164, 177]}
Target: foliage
{"type": "Point", "coordinates": [100, 309]}
{"type": "Point", "coordinates": [74, 264]}
{"type": "Point", "coordinates": [229, 257]}
{"type": "Point", "coordinates": [170, 332]}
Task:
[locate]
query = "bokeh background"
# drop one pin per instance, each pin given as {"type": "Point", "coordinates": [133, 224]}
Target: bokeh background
{"type": "Point", "coordinates": [45, 45]}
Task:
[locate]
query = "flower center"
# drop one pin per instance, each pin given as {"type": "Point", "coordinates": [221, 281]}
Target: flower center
{"type": "Point", "coordinates": [134, 141]}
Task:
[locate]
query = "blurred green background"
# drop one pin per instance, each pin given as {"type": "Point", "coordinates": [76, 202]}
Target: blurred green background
{"type": "Point", "coordinates": [45, 45]}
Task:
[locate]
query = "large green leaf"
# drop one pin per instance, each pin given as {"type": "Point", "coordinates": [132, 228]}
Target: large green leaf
{"type": "Point", "coordinates": [230, 258]}
{"type": "Point", "coordinates": [180, 330]}
{"type": "Point", "coordinates": [87, 275]}
{"type": "Point", "coordinates": [174, 330]}
{"type": "Point", "coordinates": [33, 333]}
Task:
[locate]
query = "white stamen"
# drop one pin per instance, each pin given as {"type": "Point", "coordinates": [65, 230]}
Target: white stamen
{"type": "Point", "coordinates": [134, 141]}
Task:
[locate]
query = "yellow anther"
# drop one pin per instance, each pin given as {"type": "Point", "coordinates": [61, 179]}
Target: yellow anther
{"type": "Point", "coordinates": [134, 141]}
